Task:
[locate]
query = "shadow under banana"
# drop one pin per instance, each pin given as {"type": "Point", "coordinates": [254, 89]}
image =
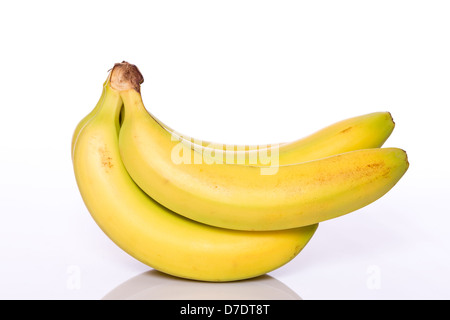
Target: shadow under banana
{"type": "Point", "coordinates": [154, 285]}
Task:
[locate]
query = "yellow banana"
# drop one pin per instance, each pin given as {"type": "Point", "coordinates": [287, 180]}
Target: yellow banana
{"type": "Point", "coordinates": [88, 117]}
{"type": "Point", "coordinates": [250, 197]}
{"type": "Point", "coordinates": [360, 132]}
{"type": "Point", "coordinates": [153, 234]}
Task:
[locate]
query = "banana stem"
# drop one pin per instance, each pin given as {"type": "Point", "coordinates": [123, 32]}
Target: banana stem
{"type": "Point", "coordinates": [126, 76]}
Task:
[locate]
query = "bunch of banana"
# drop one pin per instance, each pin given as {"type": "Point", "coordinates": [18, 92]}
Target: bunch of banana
{"type": "Point", "coordinates": [214, 212]}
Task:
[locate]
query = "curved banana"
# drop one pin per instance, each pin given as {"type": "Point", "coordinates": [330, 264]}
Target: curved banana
{"type": "Point", "coordinates": [361, 132]}
{"type": "Point", "coordinates": [156, 236]}
{"type": "Point", "coordinates": [250, 197]}
{"type": "Point", "coordinates": [88, 117]}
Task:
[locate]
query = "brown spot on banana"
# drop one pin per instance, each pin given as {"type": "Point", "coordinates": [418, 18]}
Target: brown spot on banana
{"type": "Point", "coordinates": [347, 130]}
{"type": "Point", "coordinates": [106, 159]}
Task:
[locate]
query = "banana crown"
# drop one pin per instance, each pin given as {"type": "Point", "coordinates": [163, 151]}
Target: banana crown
{"type": "Point", "coordinates": [216, 212]}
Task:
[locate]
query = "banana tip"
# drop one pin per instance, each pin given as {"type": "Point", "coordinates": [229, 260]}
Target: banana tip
{"type": "Point", "coordinates": [404, 156]}
{"type": "Point", "coordinates": [406, 159]}
{"type": "Point", "coordinates": [391, 117]}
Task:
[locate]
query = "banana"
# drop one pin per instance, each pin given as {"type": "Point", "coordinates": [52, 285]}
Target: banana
{"type": "Point", "coordinates": [249, 197]}
{"type": "Point", "coordinates": [88, 117]}
{"type": "Point", "coordinates": [157, 236]}
{"type": "Point", "coordinates": [360, 132]}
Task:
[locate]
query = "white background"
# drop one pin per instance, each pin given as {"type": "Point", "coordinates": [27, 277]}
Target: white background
{"type": "Point", "coordinates": [233, 72]}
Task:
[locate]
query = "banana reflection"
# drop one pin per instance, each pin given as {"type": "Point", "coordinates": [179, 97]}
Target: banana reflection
{"type": "Point", "coordinates": [154, 285]}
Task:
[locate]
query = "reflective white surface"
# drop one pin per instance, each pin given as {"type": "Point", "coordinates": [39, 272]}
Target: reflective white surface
{"type": "Point", "coordinates": [153, 285]}
{"type": "Point", "coordinates": [52, 249]}
{"type": "Point", "coordinates": [232, 72]}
